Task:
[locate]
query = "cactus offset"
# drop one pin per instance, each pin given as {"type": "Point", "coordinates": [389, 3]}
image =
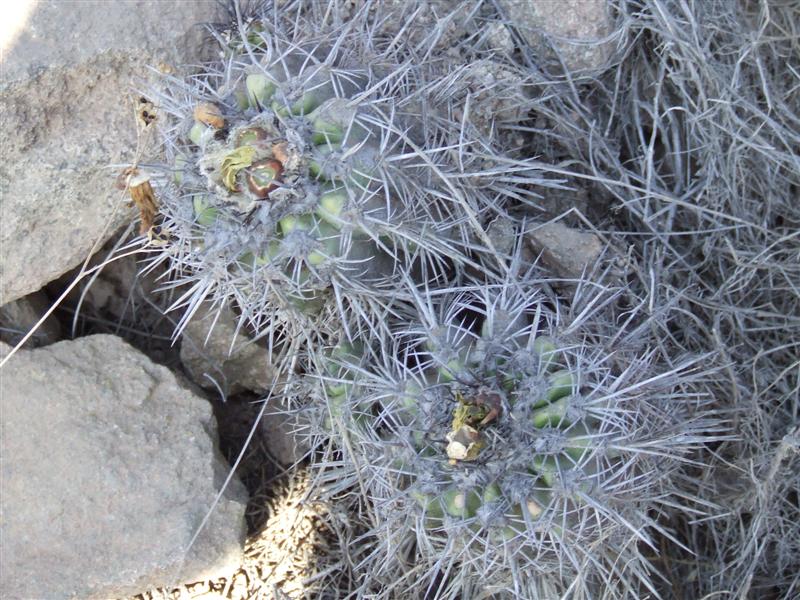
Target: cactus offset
{"type": "Point", "coordinates": [319, 170]}
{"type": "Point", "coordinates": [516, 452]}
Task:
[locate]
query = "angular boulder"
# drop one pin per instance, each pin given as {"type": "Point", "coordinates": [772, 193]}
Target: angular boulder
{"type": "Point", "coordinates": [567, 252]}
{"type": "Point", "coordinates": [109, 467]}
{"type": "Point", "coordinates": [68, 93]}
{"type": "Point", "coordinates": [579, 31]}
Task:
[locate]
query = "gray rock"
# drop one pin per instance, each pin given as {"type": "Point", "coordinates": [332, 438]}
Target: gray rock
{"type": "Point", "coordinates": [213, 351]}
{"type": "Point", "coordinates": [568, 252]}
{"type": "Point", "coordinates": [497, 93]}
{"type": "Point", "coordinates": [67, 113]}
{"type": "Point", "coordinates": [578, 30]}
{"type": "Point", "coordinates": [282, 434]}
{"type": "Point", "coordinates": [500, 38]}
{"type": "Point", "coordinates": [503, 233]}
{"type": "Point", "coordinates": [108, 469]}
{"type": "Point", "coordinates": [118, 289]}
{"type": "Point", "coordinates": [18, 317]}
{"type": "Point", "coordinates": [557, 202]}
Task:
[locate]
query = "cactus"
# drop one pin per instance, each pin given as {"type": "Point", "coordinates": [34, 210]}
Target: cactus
{"type": "Point", "coordinates": [319, 169]}
{"type": "Point", "coordinates": [507, 449]}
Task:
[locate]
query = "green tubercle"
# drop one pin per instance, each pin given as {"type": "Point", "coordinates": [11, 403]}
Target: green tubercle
{"type": "Point", "coordinates": [580, 442]}
{"type": "Point", "coordinates": [343, 353]}
{"type": "Point", "coordinates": [205, 215]}
{"type": "Point", "coordinates": [553, 415]}
{"type": "Point", "coordinates": [259, 89]}
{"type": "Point", "coordinates": [559, 384]}
{"type": "Point", "coordinates": [305, 105]}
{"type": "Point", "coordinates": [329, 239]}
{"type": "Point", "coordinates": [316, 166]}
{"type": "Point", "coordinates": [510, 380]}
{"type": "Point", "coordinates": [546, 350]}
{"type": "Point", "coordinates": [252, 259]}
{"type": "Point", "coordinates": [325, 132]}
{"type": "Point", "coordinates": [333, 120]}
{"type": "Point", "coordinates": [432, 506]}
{"type": "Point", "coordinates": [548, 467]}
{"type": "Point", "coordinates": [200, 133]}
{"type": "Point", "coordinates": [291, 223]}
{"type": "Point", "coordinates": [331, 206]}
{"type": "Point", "coordinates": [492, 493]}
{"type": "Point", "coordinates": [449, 372]}
{"type": "Point", "coordinates": [181, 162]}
{"type": "Point", "coordinates": [242, 101]}
{"type": "Point", "coordinates": [462, 504]}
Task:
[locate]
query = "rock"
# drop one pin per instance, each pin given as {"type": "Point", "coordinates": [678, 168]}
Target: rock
{"type": "Point", "coordinates": [18, 317]}
{"type": "Point", "coordinates": [576, 29]}
{"type": "Point", "coordinates": [213, 351]}
{"type": "Point", "coordinates": [118, 290]}
{"type": "Point", "coordinates": [496, 94]}
{"type": "Point", "coordinates": [500, 38]}
{"type": "Point", "coordinates": [503, 234]}
{"type": "Point", "coordinates": [418, 20]}
{"type": "Point", "coordinates": [109, 467]}
{"type": "Point", "coordinates": [280, 432]}
{"type": "Point", "coordinates": [68, 115]}
{"type": "Point", "coordinates": [566, 251]}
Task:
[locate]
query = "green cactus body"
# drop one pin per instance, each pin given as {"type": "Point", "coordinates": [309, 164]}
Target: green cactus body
{"type": "Point", "coordinates": [205, 214]}
{"type": "Point", "coordinates": [460, 503]}
{"type": "Point", "coordinates": [560, 384]}
{"type": "Point", "coordinates": [199, 134]}
{"type": "Point", "coordinates": [314, 138]}
{"type": "Point", "coordinates": [519, 519]}
{"type": "Point", "coordinates": [301, 96]}
{"type": "Point", "coordinates": [344, 353]}
{"type": "Point", "coordinates": [545, 348]}
{"type": "Point", "coordinates": [331, 206]}
{"type": "Point", "coordinates": [552, 414]}
{"type": "Point", "coordinates": [432, 508]}
{"type": "Point", "coordinates": [551, 411]}
{"type": "Point", "coordinates": [255, 160]}
{"type": "Point", "coordinates": [495, 444]}
{"type": "Point", "coordinates": [334, 185]}
{"type": "Point", "coordinates": [340, 387]}
{"type": "Point", "coordinates": [259, 90]}
{"type": "Point", "coordinates": [296, 170]}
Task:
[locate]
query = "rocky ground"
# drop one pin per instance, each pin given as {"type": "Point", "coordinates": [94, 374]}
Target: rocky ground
{"type": "Point", "coordinates": [117, 439]}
